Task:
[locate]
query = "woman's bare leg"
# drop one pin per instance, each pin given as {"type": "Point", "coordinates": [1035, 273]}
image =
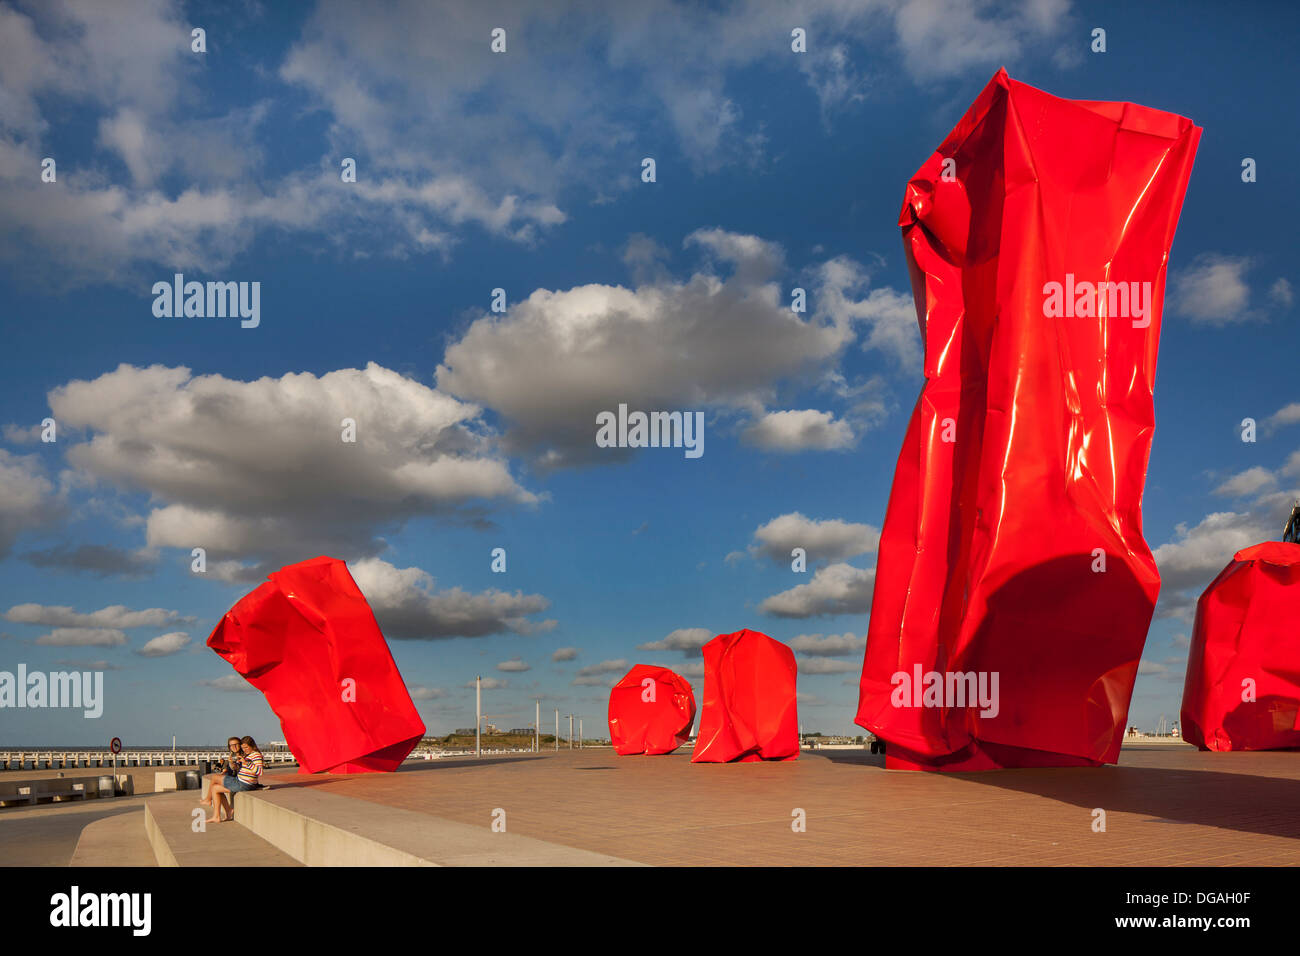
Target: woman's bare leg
{"type": "Point", "coordinates": [218, 793]}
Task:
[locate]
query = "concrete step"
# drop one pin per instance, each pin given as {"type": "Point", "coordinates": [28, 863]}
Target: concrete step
{"type": "Point", "coordinates": [169, 825]}
{"type": "Point", "coordinates": [118, 840]}
{"type": "Point", "coordinates": [325, 829]}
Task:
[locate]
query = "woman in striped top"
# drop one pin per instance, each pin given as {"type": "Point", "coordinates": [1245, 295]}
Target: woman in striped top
{"type": "Point", "coordinates": [248, 778]}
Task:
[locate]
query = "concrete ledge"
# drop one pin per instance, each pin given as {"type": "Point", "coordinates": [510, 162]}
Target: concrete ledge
{"type": "Point", "coordinates": [168, 824]}
{"type": "Point", "coordinates": [165, 780]}
{"type": "Point", "coordinates": [55, 789]}
{"type": "Point", "coordinates": [324, 829]}
{"type": "Point", "coordinates": [119, 840]}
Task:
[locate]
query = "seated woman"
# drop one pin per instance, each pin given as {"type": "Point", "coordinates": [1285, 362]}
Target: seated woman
{"type": "Point", "coordinates": [248, 778]}
{"type": "Point", "coordinates": [229, 764]}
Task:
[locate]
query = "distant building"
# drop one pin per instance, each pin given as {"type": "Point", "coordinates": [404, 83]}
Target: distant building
{"type": "Point", "coordinates": [464, 731]}
{"type": "Point", "coordinates": [521, 730]}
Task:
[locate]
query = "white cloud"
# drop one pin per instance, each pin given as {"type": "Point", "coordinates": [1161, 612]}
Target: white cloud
{"type": "Point", "coordinates": [565, 654]}
{"type": "Point", "coordinates": [514, 666]}
{"type": "Point", "coordinates": [1248, 482]}
{"type": "Point", "coordinates": [113, 616]}
{"type": "Point", "coordinates": [83, 637]}
{"type": "Point", "coordinates": [834, 645]}
{"type": "Point", "coordinates": [835, 589]}
{"type": "Point", "coordinates": [1213, 290]}
{"type": "Point", "coordinates": [27, 498]}
{"type": "Point", "coordinates": [1281, 293]}
{"type": "Point", "coordinates": [556, 359]}
{"type": "Point", "coordinates": [1200, 552]}
{"type": "Point", "coordinates": [407, 605]}
{"type": "Point", "coordinates": [1286, 415]}
{"type": "Point", "coordinates": [825, 665]}
{"type": "Point", "coordinates": [689, 640]}
{"type": "Point", "coordinates": [446, 134]}
{"type": "Point", "coordinates": [599, 675]}
{"type": "Point", "coordinates": [258, 469]}
{"type": "Point", "coordinates": [799, 430]}
{"type": "Point", "coordinates": [490, 683]}
{"type": "Point", "coordinates": [824, 541]}
{"type": "Point", "coordinates": [165, 645]}
{"type": "Point", "coordinates": [890, 316]}
{"type": "Point", "coordinates": [420, 692]}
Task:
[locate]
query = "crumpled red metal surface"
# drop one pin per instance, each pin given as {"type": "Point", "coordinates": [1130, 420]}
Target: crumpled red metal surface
{"type": "Point", "coordinates": [297, 638]}
{"type": "Point", "coordinates": [1247, 630]}
{"type": "Point", "coordinates": [650, 718]}
{"type": "Point", "coordinates": [750, 710]}
{"type": "Point", "coordinates": [1026, 453]}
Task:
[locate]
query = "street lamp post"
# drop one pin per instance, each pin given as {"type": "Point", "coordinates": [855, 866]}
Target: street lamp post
{"type": "Point", "coordinates": [478, 715]}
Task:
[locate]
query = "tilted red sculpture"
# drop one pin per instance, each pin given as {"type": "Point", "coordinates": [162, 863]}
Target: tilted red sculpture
{"type": "Point", "coordinates": [1242, 690]}
{"type": "Point", "coordinates": [308, 640]}
{"type": "Point", "coordinates": [750, 711]}
{"type": "Point", "coordinates": [651, 711]}
{"type": "Point", "coordinates": [1037, 237]}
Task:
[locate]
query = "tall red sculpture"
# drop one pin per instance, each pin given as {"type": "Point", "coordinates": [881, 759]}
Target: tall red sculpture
{"type": "Point", "coordinates": [750, 710]}
{"type": "Point", "coordinates": [1036, 236]}
{"type": "Point", "coordinates": [1242, 690]}
{"type": "Point", "coordinates": [307, 639]}
{"type": "Point", "coordinates": [651, 711]}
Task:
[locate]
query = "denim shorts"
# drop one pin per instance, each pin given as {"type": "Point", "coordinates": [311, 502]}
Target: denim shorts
{"type": "Point", "coordinates": [234, 784]}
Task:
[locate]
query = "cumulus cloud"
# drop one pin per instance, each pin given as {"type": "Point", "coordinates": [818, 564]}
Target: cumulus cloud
{"type": "Point", "coordinates": [825, 665]}
{"type": "Point", "coordinates": [834, 589]}
{"type": "Point", "coordinates": [799, 430]}
{"type": "Point", "coordinates": [165, 645]}
{"type": "Point", "coordinates": [565, 654]}
{"type": "Point", "coordinates": [489, 683]}
{"type": "Point", "coordinates": [1214, 290]}
{"type": "Point", "coordinates": [514, 666]}
{"type": "Point", "coordinates": [85, 665]}
{"type": "Point", "coordinates": [83, 637]}
{"type": "Point", "coordinates": [168, 183]}
{"type": "Point", "coordinates": [420, 692]}
{"type": "Point", "coordinates": [113, 616]}
{"type": "Point", "coordinates": [27, 498]}
{"type": "Point", "coordinates": [602, 674]}
{"type": "Point", "coordinates": [557, 358]}
{"type": "Point", "coordinates": [1281, 293]}
{"type": "Point", "coordinates": [693, 668]}
{"type": "Point", "coordinates": [689, 640]}
{"type": "Point", "coordinates": [1248, 482]}
{"type": "Point", "coordinates": [833, 645]}
{"type": "Point", "coordinates": [258, 469]}
{"type": "Point", "coordinates": [1286, 415]}
{"type": "Point", "coordinates": [1201, 551]}
{"type": "Point", "coordinates": [823, 541]}
{"type": "Point", "coordinates": [889, 316]}
{"type": "Point", "coordinates": [408, 606]}
{"type": "Point", "coordinates": [97, 559]}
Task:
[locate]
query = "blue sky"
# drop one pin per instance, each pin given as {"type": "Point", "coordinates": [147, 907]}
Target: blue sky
{"type": "Point", "coordinates": [521, 171]}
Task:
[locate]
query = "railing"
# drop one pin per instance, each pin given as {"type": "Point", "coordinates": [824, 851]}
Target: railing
{"type": "Point", "coordinates": [69, 759]}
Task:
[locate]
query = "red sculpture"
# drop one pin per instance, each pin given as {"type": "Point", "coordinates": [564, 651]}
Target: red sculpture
{"type": "Point", "coordinates": [651, 711]}
{"type": "Point", "coordinates": [308, 641]}
{"type": "Point", "coordinates": [1012, 552]}
{"type": "Point", "coordinates": [1242, 690]}
{"type": "Point", "coordinates": [750, 710]}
